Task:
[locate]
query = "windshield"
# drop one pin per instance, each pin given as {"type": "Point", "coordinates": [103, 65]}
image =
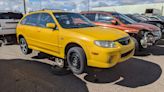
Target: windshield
{"type": "Point", "coordinates": [73, 20]}
{"type": "Point", "coordinates": [141, 18]}
{"type": "Point", "coordinates": [162, 18]}
{"type": "Point", "coordinates": [123, 18]}
{"type": "Point", "coordinates": [135, 18]}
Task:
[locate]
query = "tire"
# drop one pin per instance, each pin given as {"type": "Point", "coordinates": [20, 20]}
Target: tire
{"type": "Point", "coordinates": [137, 45]}
{"type": "Point", "coordinates": [24, 46]}
{"type": "Point", "coordinates": [1, 42]}
{"type": "Point", "coordinates": [76, 60]}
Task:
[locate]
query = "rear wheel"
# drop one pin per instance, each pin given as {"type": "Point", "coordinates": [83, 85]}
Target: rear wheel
{"type": "Point", "coordinates": [76, 59]}
{"type": "Point", "coordinates": [24, 46]}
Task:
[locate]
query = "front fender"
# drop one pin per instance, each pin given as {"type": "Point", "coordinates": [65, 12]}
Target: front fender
{"type": "Point", "coordinates": [82, 43]}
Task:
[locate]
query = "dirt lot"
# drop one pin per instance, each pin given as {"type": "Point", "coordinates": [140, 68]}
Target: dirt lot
{"type": "Point", "coordinates": [143, 73]}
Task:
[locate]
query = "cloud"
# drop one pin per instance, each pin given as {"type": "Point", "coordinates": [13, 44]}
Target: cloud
{"type": "Point", "coordinates": [70, 5]}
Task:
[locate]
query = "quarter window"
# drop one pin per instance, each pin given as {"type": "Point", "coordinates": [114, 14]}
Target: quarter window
{"type": "Point", "coordinates": [31, 20]}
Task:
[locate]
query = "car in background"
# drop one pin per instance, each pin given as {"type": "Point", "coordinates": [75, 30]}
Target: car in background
{"type": "Point", "coordinates": [143, 34]}
{"type": "Point", "coordinates": [145, 19]}
{"type": "Point", "coordinates": [160, 18]}
{"type": "Point", "coordinates": [8, 23]}
{"type": "Point", "coordinates": [74, 40]}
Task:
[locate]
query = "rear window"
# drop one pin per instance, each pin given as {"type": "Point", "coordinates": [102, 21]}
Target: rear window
{"type": "Point", "coordinates": [11, 15]}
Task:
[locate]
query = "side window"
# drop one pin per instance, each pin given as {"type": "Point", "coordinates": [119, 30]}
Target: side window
{"type": "Point", "coordinates": [104, 18]}
{"type": "Point", "coordinates": [31, 20]}
{"type": "Point", "coordinates": [44, 19]}
{"type": "Point", "coordinates": [91, 17]}
{"type": "Point", "coordinates": [25, 20]}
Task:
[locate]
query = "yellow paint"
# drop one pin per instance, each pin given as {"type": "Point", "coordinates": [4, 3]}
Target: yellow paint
{"type": "Point", "coordinates": [54, 42]}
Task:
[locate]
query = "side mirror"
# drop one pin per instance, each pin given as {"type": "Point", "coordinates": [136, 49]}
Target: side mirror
{"type": "Point", "coordinates": [51, 25]}
{"type": "Point", "coordinates": [114, 22]}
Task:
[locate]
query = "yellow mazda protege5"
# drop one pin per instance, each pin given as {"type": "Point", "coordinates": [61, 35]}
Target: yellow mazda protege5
{"type": "Point", "coordinates": [73, 39]}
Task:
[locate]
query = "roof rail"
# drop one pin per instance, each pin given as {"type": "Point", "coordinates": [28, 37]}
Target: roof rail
{"type": "Point", "coordinates": [47, 9]}
{"type": "Point", "coordinates": [52, 9]}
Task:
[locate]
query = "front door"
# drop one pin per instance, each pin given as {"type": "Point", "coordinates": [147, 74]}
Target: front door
{"type": "Point", "coordinates": [49, 38]}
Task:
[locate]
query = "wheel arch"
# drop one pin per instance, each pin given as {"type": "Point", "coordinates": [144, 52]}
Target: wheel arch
{"type": "Point", "coordinates": [19, 36]}
{"type": "Point", "coordinates": [70, 45]}
{"type": "Point", "coordinates": [75, 44]}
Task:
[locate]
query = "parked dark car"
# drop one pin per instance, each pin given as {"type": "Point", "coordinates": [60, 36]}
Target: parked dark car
{"type": "Point", "coordinates": [149, 20]}
{"type": "Point", "coordinates": [160, 18]}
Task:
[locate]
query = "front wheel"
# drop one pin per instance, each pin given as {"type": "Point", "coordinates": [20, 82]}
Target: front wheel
{"type": "Point", "coordinates": [76, 59]}
{"type": "Point", "coordinates": [24, 46]}
{"type": "Point", "coordinates": [1, 43]}
{"type": "Point", "coordinates": [137, 45]}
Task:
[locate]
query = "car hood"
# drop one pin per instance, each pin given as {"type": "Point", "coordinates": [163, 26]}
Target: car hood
{"type": "Point", "coordinates": [100, 33]}
{"type": "Point", "coordinates": [144, 26]}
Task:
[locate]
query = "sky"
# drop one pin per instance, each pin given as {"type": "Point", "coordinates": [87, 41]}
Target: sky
{"type": "Point", "coordinates": [69, 5]}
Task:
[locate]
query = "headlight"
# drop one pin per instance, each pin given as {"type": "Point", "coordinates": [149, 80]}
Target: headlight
{"type": "Point", "coordinates": [127, 30]}
{"type": "Point", "coordinates": [105, 44]}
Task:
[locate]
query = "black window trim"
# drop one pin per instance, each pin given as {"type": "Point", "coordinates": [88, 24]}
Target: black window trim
{"type": "Point", "coordinates": [37, 20]}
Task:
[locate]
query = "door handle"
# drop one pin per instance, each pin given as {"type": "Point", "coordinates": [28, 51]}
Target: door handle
{"type": "Point", "coordinates": [61, 38]}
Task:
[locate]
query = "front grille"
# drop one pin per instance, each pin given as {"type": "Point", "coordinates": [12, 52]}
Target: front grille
{"type": "Point", "coordinates": [126, 54]}
{"type": "Point", "coordinates": [124, 41]}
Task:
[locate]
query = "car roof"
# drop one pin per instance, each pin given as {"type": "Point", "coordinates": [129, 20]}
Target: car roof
{"type": "Point", "coordinates": [98, 12]}
{"type": "Point", "coordinates": [47, 11]}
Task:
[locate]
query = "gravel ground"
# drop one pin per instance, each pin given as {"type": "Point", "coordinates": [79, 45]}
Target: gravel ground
{"type": "Point", "coordinates": [19, 73]}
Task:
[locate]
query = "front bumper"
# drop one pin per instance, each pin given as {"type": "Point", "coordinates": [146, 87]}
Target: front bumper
{"type": "Point", "coordinates": [106, 58]}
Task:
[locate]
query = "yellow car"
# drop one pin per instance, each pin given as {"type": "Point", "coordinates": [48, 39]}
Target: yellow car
{"type": "Point", "coordinates": [73, 39]}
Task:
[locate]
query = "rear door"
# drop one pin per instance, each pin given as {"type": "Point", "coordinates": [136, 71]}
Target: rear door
{"type": "Point", "coordinates": [30, 29]}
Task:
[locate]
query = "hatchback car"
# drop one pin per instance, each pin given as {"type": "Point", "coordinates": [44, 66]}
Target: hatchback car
{"type": "Point", "coordinates": [73, 39]}
{"type": "Point", "coordinates": [143, 34]}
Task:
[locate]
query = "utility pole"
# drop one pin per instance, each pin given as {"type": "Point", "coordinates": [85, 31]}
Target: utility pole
{"type": "Point", "coordinates": [162, 11]}
{"type": "Point", "coordinates": [40, 2]}
{"type": "Point", "coordinates": [88, 5]}
{"type": "Point", "coordinates": [24, 4]}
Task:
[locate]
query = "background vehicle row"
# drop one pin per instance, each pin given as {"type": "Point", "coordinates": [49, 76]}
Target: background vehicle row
{"type": "Point", "coordinates": [143, 34]}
